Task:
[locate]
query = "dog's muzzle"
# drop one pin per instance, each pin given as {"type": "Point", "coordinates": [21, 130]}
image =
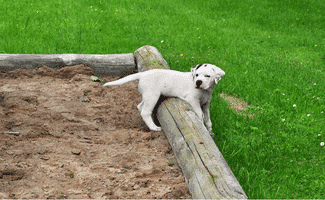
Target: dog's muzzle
{"type": "Point", "coordinates": [198, 83]}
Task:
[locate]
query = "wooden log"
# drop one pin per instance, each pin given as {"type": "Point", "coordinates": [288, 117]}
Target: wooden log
{"type": "Point", "coordinates": [148, 57]}
{"type": "Point", "coordinates": [206, 171]}
{"type": "Point", "coordinates": [104, 65]}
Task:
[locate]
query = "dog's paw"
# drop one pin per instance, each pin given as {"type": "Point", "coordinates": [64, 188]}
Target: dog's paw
{"type": "Point", "coordinates": [156, 128]}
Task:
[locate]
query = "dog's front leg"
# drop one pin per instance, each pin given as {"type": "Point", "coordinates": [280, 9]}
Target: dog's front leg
{"type": "Point", "coordinates": [206, 118]}
{"type": "Point", "coordinates": [197, 109]}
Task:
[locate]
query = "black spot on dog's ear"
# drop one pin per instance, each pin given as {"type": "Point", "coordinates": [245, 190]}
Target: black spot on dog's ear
{"type": "Point", "coordinates": [198, 66]}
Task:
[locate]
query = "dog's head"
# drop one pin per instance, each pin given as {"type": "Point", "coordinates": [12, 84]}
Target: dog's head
{"type": "Point", "coordinates": [205, 76]}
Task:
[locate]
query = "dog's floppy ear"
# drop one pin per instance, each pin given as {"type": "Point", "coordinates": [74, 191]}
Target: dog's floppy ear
{"type": "Point", "coordinates": [217, 79]}
{"type": "Point", "coordinates": [193, 69]}
{"type": "Point", "coordinates": [219, 74]}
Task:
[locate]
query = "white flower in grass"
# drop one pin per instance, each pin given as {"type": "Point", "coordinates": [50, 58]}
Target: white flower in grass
{"type": "Point", "coordinates": [314, 83]}
{"type": "Point", "coordinates": [313, 96]}
{"type": "Point", "coordinates": [283, 94]}
{"type": "Point", "coordinates": [283, 119]}
{"type": "Point", "coordinates": [294, 105]}
{"type": "Point", "coordinates": [318, 134]}
{"type": "Point", "coordinates": [162, 41]}
{"type": "Point", "coordinates": [322, 144]}
{"type": "Point", "coordinates": [308, 115]}
{"type": "Point", "coordinates": [287, 99]}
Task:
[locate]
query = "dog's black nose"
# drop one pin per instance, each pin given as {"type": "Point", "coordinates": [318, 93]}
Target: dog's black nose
{"type": "Point", "coordinates": [198, 83]}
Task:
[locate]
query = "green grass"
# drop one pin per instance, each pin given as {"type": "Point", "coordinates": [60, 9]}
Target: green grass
{"type": "Point", "coordinates": [267, 49]}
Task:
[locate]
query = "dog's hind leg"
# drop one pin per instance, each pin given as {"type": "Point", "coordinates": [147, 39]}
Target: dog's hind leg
{"type": "Point", "coordinates": [149, 101]}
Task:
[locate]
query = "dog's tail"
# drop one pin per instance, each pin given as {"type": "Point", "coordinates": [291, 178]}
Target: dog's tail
{"type": "Point", "coordinates": [121, 81]}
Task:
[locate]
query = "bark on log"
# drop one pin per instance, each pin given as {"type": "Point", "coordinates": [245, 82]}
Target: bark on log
{"type": "Point", "coordinates": [104, 65]}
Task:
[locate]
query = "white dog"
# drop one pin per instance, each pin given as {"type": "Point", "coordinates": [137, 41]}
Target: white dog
{"type": "Point", "coordinates": [194, 87]}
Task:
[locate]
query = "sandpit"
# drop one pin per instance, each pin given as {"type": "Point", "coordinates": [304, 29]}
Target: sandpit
{"type": "Point", "coordinates": [64, 136]}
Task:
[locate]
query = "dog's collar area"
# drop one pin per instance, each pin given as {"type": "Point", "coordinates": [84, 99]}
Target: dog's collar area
{"type": "Point", "coordinates": [199, 88]}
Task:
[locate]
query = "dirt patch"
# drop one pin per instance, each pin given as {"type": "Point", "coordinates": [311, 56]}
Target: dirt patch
{"type": "Point", "coordinates": [64, 136]}
{"type": "Point", "coordinates": [238, 105]}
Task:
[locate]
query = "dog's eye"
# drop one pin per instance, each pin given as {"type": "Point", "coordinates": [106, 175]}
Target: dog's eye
{"type": "Point", "coordinates": [207, 76]}
{"type": "Point", "coordinates": [196, 74]}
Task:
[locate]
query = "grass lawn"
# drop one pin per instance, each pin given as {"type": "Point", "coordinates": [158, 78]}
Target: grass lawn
{"type": "Point", "coordinates": [271, 50]}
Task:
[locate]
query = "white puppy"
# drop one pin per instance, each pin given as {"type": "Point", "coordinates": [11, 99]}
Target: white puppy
{"type": "Point", "coordinates": [194, 87]}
